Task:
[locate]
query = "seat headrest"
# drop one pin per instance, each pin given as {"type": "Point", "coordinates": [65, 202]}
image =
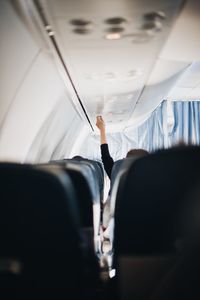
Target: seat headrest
{"type": "Point", "coordinates": [150, 197]}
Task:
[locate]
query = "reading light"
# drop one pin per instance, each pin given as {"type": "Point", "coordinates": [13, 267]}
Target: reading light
{"type": "Point", "coordinates": [113, 36]}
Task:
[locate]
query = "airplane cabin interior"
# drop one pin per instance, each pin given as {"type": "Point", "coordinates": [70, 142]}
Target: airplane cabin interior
{"type": "Point", "coordinates": [100, 149]}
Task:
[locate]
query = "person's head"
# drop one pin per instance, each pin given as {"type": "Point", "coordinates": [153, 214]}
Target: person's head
{"type": "Point", "coordinates": [77, 157]}
{"type": "Point", "coordinates": [137, 152]}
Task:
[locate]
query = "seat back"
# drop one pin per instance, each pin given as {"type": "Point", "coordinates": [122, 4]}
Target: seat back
{"type": "Point", "coordinates": [115, 171]}
{"type": "Point", "coordinates": [85, 180]}
{"type": "Point", "coordinates": [40, 253]}
{"type": "Point", "coordinates": [182, 281]}
{"type": "Point", "coordinates": [79, 174]}
{"type": "Point", "coordinates": [119, 168]}
{"type": "Point", "coordinates": [100, 171]}
{"type": "Point", "coordinates": [149, 203]}
{"type": "Point", "coordinates": [97, 169]}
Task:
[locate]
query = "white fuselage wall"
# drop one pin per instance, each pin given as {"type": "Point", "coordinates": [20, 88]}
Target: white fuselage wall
{"type": "Point", "coordinates": [38, 121]}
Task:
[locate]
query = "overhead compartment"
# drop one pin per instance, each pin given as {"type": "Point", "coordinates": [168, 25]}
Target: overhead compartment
{"type": "Point", "coordinates": [37, 112]}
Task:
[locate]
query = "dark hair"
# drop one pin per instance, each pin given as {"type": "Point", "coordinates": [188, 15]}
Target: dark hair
{"type": "Point", "coordinates": [137, 152]}
{"type": "Point", "coordinates": [77, 157]}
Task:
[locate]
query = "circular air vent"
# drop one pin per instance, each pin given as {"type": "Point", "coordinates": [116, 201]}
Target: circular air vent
{"type": "Point", "coordinates": [115, 29]}
{"type": "Point", "coordinates": [115, 21]}
{"type": "Point", "coordinates": [152, 22]}
{"type": "Point", "coordinates": [81, 30]}
{"type": "Point", "coordinates": [81, 26]}
{"type": "Point", "coordinates": [157, 15]}
{"type": "Point", "coordinates": [80, 22]}
{"type": "Point", "coordinates": [152, 25]}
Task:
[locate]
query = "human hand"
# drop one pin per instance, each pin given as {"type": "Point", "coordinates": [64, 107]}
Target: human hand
{"type": "Point", "coordinates": [100, 123]}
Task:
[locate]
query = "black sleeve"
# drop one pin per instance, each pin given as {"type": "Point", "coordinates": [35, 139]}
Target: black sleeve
{"type": "Point", "coordinates": [107, 159]}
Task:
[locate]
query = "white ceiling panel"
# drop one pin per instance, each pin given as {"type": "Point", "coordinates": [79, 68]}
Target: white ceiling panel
{"type": "Point", "coordinates": [188, 85]}
{"type": "Point", "coordinates": [184, 41]}
{"type": "Point", "coordinates": [104, 69]}
{"type": "Point", "coordinates": [157, 90]}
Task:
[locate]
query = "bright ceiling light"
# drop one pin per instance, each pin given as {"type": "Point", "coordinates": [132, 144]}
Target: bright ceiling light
{"type": "Point", "coordinates": [113, 36]}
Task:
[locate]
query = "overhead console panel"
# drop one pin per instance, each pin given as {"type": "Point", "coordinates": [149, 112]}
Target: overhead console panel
{"type": "Point", "coordinates": [110, 49]}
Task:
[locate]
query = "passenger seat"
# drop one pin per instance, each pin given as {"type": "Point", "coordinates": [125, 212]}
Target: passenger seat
{"type": "Point", "coordinates": [149, 229]}
{"type": "Point", "coordinates": [40, 253]}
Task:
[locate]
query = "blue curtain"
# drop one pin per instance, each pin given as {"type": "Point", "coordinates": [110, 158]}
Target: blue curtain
{"type": "Point", "coordinates": [186, 122]}
{"type": "Point", "coordinates": [164, 129]}
{"type": "Point", "coordinates": [152, 133]}
{"type": "Point", "coordinates": [170, 123]}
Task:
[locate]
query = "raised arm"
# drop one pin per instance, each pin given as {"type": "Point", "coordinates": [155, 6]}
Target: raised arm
{"type": "Point", "coordinates": [105, 154]}
{"type": "Point", "coordinates": [101, 125]}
